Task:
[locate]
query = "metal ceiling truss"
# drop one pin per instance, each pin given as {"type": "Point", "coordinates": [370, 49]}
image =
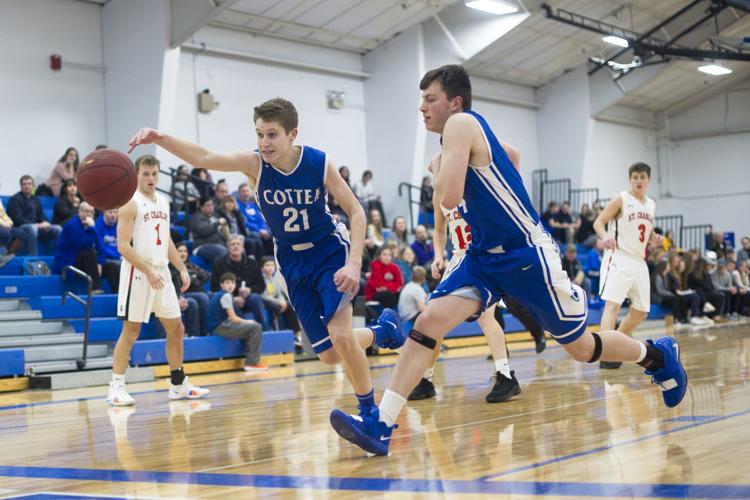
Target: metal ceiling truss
{"type": "Point", "coordinates": [645, 46]}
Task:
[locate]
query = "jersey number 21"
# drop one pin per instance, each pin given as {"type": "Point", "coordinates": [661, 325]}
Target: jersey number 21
{"type": "Point", "coordinates": [292, 214]}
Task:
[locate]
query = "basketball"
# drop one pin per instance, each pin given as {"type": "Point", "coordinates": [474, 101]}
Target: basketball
{"type": "Point", "coordinates": [107, 179]}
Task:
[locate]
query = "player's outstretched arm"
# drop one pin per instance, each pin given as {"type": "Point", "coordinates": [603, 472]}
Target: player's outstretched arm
{"type": "Point", "coordinates": [610, 212]}
{"type": "Point", "coordinates": [236, 161]}
{"type": "Point", "coordinates": [347, 278]}
{"type": "Point", "coordinates": [458, 137]}
{"type": "Point", "coordinates": [125, 222]}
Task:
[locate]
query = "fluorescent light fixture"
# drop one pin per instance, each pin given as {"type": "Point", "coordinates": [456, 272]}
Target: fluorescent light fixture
{"type": "Point", "coordinates": [493, 6]}
{"type": "Point", "coordinates": [615, 40]}
{"type": "Point", "coordinates": [714, 69]}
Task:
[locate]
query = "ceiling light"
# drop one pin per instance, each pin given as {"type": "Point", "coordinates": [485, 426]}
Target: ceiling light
{"type": "Point", "coordinates": [615, 40]}
{"type": "Point", "coordinates": [714, 69]}
{"type": "Point", "coordinates": [493, 6]}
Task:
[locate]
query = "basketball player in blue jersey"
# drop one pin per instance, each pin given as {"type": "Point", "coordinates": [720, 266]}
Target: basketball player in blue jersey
{"type": "Point", "coordinates": [320, 265]}
{"type": "Point", "coordinates": [510, 254]}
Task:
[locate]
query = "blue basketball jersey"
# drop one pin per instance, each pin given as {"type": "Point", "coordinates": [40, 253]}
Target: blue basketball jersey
{"type": "Point", "coordinates": [294, 204]}
{"type": "Point", "coordinates": [496, 204]}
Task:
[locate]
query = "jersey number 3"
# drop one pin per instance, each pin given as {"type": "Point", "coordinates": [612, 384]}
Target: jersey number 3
{"type": "Point", "coordinates": [642, 231]}
{"type": "Point", "coordinates": [292, 214]}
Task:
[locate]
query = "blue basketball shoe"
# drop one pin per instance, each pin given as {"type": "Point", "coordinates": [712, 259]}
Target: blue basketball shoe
{"type": "Point", "coordinates": [366, 431]}
{"type": "Point", "coordinates": [672, 378]}
{"type": "Point", "coordinates": [388, 332]}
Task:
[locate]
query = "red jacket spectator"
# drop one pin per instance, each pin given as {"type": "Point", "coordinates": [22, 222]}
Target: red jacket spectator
{"type": "Point", "coordinates": [383, 275]}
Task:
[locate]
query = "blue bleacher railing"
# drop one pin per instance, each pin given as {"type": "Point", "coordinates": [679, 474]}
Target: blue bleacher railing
{"type": "Point", "coordinates": [82, 362]}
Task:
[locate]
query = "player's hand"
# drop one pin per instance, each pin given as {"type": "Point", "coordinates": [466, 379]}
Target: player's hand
{"type": "Point", "coordinates": [346, 279]}
{"type": "Point", "coordinates": [155, 279]}
{"type": "Point", "coordinates": [144, 136]}
{"type": "Point", "coordinates": [437, 267]}
{"type": "Point", "coordinates": [89, 221]}
{"type": "Point", "coordinates": [609, 244]}
{"type": "Point", "coordinates": [434, 166]}
{"type": "Point", "coordinates": [185, 278]}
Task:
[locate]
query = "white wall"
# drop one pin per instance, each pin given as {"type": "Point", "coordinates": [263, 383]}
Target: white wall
{"type": "Point", "coordinates": [46, 111]}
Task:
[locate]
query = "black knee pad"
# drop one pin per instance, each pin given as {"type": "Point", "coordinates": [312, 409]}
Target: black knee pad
{"type": "Point", "coordinates": [597, 348]}
{"type": "Point", "coordinates": [422, 339]}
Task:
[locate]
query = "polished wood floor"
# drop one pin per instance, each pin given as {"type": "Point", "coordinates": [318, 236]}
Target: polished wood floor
{"type": "Point", "coordinates": [574, 432]}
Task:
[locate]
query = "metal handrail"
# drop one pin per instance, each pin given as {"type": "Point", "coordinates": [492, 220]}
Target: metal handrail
{"type": "Point", "coordinates": [81, 363]}
{"type": "Point", "coordinates": [411, 200]}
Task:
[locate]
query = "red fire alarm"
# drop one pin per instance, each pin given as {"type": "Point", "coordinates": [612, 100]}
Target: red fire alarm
{"type": "Point", "coordinates": [55, 62]}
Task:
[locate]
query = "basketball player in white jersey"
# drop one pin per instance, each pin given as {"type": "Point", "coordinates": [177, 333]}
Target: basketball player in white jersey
{"type": "Point", "coordinates": [146, 287]}
{"type": "Point", "coordinates": [629, 222]}
{"type": "Point", "coordinates": [506, 386]}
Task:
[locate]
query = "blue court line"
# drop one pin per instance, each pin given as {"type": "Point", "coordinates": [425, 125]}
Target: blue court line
{"type": "Point", "coordinates": [692, 418]}
{"type": "Point", "coordinates": [62, 495]}
{"type": "Point", "coordinates": [577, 489]}
{"type": "Point", "coordinates": [617, 445]}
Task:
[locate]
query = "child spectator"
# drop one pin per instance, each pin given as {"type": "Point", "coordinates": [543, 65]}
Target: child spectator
{"type": "Point", "coordinates": [274, 296]}
{"type": "Point", "coordinates": [385, 280]}
{"type": "Point", "coordinates": [224, 321]}
{"type": "Point", "coordinates": [412, 300]}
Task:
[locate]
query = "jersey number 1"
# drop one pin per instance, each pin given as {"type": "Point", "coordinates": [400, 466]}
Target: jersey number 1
{"type": "Point", "coordinates": [158, 240]}
{"type": "Point", "coordinates": [642, 231]}
{"type": "Point", "coordinates": [292, 214]}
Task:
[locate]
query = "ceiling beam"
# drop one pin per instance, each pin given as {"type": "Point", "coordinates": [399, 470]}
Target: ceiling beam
{"type": "Point", "coordinates": [188, 16]}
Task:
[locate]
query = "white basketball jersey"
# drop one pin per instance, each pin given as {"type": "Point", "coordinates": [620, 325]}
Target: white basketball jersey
{"type": "Point", "coordinates": [633, 227]}
{"type": "Point", "coordinates": [151, 229]}
{"type": "Point", "coordinates": [459, 230]}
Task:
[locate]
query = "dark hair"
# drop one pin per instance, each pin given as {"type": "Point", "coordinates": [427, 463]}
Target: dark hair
{"type": "Point", "coordinates": [64, 187]}
{"type": "Point", "coordinates": [101, 146]}
{"type": "Point", "coordinates": [277, 110]}
{"type": "Point", "coordinates": [639, 167]}
{"type": "Point", "coordinates": [267, 258]}
{"type": "Point", "coordinates": [204, 200]}
{"type": "Point", "coordinates": [149, 160]}
{"type": "Point", "coordinates": [78, 157]}
{"type": "Point", "coordinates": [367, 173]}
{"type": "Point", "coordinates": [228, 277]}
{"type": "Point", "coordinates": [455, 82]}
{"type": "Point", "coordinates": [26, 177]}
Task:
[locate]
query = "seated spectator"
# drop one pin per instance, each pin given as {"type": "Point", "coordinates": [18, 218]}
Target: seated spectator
{"type": "Point", "coordinates": [365, 193]}
{"type": "Point", "coordinates": [741, 298]}
{"type": "Point", "coordinates": [712, 301]}
{"type": "Point", "coordinates": [27, 214]}
{"type": "Point", "coordinates": [185, 194]}
{"type": "Point", "coordinates": [399, 233]}
{"type": "Point", "coordinates": [585, 234]}
{"type": "Point", "coordinates": [571, 266]}
{"type": "Point", "coordinates": [426, 210]}
{"type": "Point", "coordinates": [566, 225]}
{"type": "Point", "coordinates": [255, 225]}
{"type": "Point", "coordinates": [741, 277]}
{"type": "Point", "coordinates": [65, 169]}
{"type": "Point", "coordinates": [423, 249]}
{"type": "Point", "coordinates": [196, 291]}
{"type": "Point", "coordinates": [248, 295]}
{"type": "Point", "coordinates": [717, 243]}
{"type": "Point", "coordinates": [11, 237]}
{"type": "Point", "coordinates": [274, 296]}
{"type": "Point", "coordinates": [224, 321]}
{"type": "Point", "coordinates": [722, 281]}
{"type": "Point", "coordinates": [236, 225]}
{"type": "Point", "coordinates": [208, 236]}
{"type": "Point", "coordinates": [202, 182]}
{"type": "Point", "coordinates": [374, 237]}
{"type": "Point", "coordinates": [594, 265]}
{"type": "Point", "coordinates": [406, 261]}
{"type": "Point", "coordinates": [549, 218]}
{"type": "Point", "coordinates": [221, 193]}
{"type": "Point", "coordinates": [663, 296]}
{"type": "Point", "coordinates": [385, 280]}
{"type": "Point", "coordinates": [67, 203]}
{"type": "Point", "coordinates": [78, 245]}
{"type": "Point", "coordinates": [333, 204]}
{"type": "Point", "coordinates": [189, 308]}
{"type": "Point", "coordinates": [108, 256]}
{"type": "Point", "coordinates": [744, 252]}
{"type": "Point", "coordinates": [687, 298]}
{"type": "Point", "coordinates": [413, 298]}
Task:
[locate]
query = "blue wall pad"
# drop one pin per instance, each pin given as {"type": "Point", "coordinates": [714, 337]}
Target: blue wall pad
{"type": "Point", "coordinates": [11, 362]}
{"type": "Point", "coordinates": [108, 329]}
{"type": "Point", "coordinates": [102, 306]}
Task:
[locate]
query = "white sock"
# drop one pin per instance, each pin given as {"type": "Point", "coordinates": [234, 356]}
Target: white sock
{"type": "Point", "coordinates": [502, 366]}
{"type": "Point", "coordinates": [118, 378]}
{"type": "Point", "coordinates": [390, 407]}
{"type": "Point", "coordinates": [643, 353]}
{"type": "Point", "coordinates": [428, 373]}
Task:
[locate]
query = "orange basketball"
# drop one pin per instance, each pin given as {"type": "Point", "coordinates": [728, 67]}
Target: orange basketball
{"type": "Point", "coordinates": [107, 179]}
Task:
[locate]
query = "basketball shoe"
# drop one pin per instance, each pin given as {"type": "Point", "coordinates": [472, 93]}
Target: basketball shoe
{"type": "Point", "coordinates": [671, 378]}
{"type": "Point", "coordinates": [366, 431]}
{"type": "Point", "coordinates": [390, 335]}
{"type": "Point", "coordinates": [186, 390]}
{"type": "Point", "coordinates": [118, 394]}
{"type": "Point", "coordinates": [425, 389]}
{"type": "Point", "coordinates": [504, 388]}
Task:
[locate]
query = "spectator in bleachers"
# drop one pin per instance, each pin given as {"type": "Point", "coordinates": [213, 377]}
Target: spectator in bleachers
{"type": "Point", "coordinates": [202, 183]}
{"type": "Point", "coordinates": [687, 298]}
{"type": "Point", "coordinates": [571, 266]}
{"type": "Point", "coordinates": [422, 247]}
{"type": "Point", "coordinates": [741, 277]}
{"type": "Point", "coordinates": [67, 203]}
{"type": "Point", "coordinates": [333, 204]}
{"type": "Point", "coordinates": [65, 169]}
{"type": "Point", "coordinates": [585, 233]}
{"type": "Point", "coordinates": [78, 244]}
{"type": "Point", "coordinates": [11, 237]}
{"type": "Point", "coordinates": [345, 174]}
{"type": "Point", "coordinates": [406, 260]}
{"type": "Point", "coordinates": [594, 265]}
{"type": "Point", "coordinates": [566, 225]}
{"type": "Point", "coordinates": [221, 193]}
{"type": "Point", "coordinates": [365, 193]}
{"type": "Point", "coordinates": [712, 301]}
{"type": "Point", "coordinates": [108, 256]}
{"type": "Point", "coordinates": [199, 278]}
{"type": "Point", "coordinates": [210, 242]}
{"type": "Point", "coordinates": [717, 243]}
{"type": "Point", "coordinates": [744, 253]}
{"type": "Point", "coordinates": [722, 281]}
{"type": "Point", "coordinates": [399, 233]}
{"type": "Point", "coordinates": [189, 308]}
{"type": "Point", "coordinates": [662, 295]}
{"type": "Point", "coordinates": [412, 299]}
{"type": "Point", "coordinates": [667, 241]}
{"type": "Point", "coordinates": [548, 218]}
{"type": "Point", "coordinates": [185, 195]}
{"type": "Point", "coordinates": [274, 296]}
{"type": "Point", "coordinates": [385, 280]}
{"type": "Point", "coordinates": [742, 298]}
{"type": "Point", "coordinates": [426, 209]}
{"type": "Point", "coordinates": [374, 238]}
{"type": "Point", "coordinates": [27, 214]}
{"type": "Point", "coordinates": [255, 224]}
{"type": "Point", "coordinates": [236, 225]}
{"type": "Point", "coordinates": [249, 293]}
{"type": "Point", "coordinates": [224, 321]}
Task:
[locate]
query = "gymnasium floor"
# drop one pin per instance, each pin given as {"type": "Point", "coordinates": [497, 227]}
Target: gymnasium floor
{"type": "Point", "coordinates": [574, 432]}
